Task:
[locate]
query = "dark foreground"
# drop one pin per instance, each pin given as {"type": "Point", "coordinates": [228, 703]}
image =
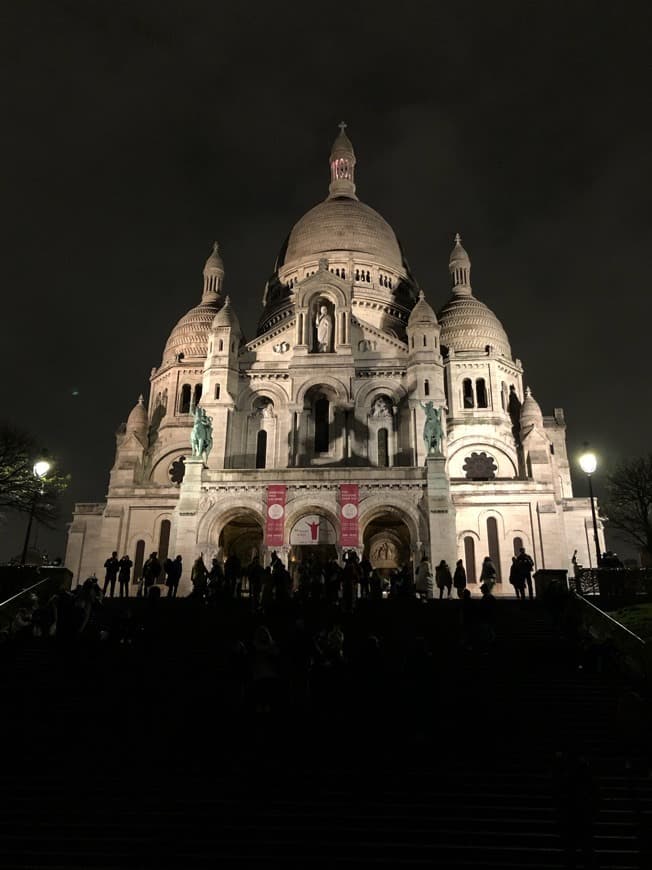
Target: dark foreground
{"type": "Point", "coordinates": [155, 747]}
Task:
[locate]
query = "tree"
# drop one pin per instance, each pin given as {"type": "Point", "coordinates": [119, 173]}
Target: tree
{"type": "Point", "coordinates": [628, 502]}
{"type": "Point", "coordinates": [20, 489]}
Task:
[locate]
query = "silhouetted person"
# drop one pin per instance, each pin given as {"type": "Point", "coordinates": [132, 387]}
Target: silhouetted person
{"type": "Point", "coordinates": [174, 571]}
{"type": "Point", "coordinates": [151, 572]}
{"type": "Point", "coordinates": [488, 574]}
{"type": "Point", "coordinates": [517, 578]}
{"type": "Point", "coordinates": [525, 566]}
{"type": "Point", "coordinates": [365, 575]}
{"type": "Point", "coordinates": [124, 575]}
{"type": "Point", "coordinates": [215, 580]}
{"type": "Point", "coordinates": [232, 573]}
{"type": "Point", "coordinates": [199, 578]}
{"type": "Point", "coordinates": [443, 578]}
{"type": "Point", "coordinates": [112, 566]}
{"type": "Point", "coordinates": [256, 574]}
{"type": "Point", "coordinates": [376, 586]}
{"type": "Point", "coordinates": [459, 578]}
{"type": "Point", "coordinates": [424, 578]}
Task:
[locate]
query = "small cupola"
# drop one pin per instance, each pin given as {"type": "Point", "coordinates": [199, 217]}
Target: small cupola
{"type": "Point", "coordinates": [342, 164]}
{"type": "Point", "coordinates": [459, 266]}
{"type": "Point", "coordinates": [213, 275]}
{"type": "Point", "coordinates": [531, 414]}
{"type": "Point", "coordinates": [137, 422]}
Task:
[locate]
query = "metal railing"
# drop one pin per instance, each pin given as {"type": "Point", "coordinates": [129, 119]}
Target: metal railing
{"type": "Point", "coordinates": [626, 584]}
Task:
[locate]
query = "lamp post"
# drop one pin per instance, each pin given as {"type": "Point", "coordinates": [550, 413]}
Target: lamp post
{"type": "Point", "coordinates": [588, 464]}
{"type": "Point", "coordinates": [40, 469]}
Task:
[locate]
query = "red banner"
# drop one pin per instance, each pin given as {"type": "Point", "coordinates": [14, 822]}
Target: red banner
{"type": "Point", "coordinates": [275, 524]}
{"type": "Point", "coordinates": [349, 500]}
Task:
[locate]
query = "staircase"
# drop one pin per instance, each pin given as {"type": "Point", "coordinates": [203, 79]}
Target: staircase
{"type": "Point", "coordinates": [138, 756]}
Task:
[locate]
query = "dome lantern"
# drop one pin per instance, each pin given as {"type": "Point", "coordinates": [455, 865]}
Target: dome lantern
{"type": "Point", "coordinates": [459, 266]}
{"type": "Point", "coordinates": [342, 163]}
{"type": "Point", "coordinates": [213, 275]}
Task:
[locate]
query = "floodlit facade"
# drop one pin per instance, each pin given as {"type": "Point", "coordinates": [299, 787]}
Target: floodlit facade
{"type": "Point", "coordinates": [318, 421]}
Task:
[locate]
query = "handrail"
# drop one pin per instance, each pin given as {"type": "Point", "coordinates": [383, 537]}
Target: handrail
{"type": "Point", "coordinates": [611, 619]}
{"type": "Point", "coordinates": [23, 591]}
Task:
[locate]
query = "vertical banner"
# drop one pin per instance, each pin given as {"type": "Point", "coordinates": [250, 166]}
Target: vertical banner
{"type": "Point", "coordinates": [349, 500]}
{"type": "Point", "coordinates": [275, 523]}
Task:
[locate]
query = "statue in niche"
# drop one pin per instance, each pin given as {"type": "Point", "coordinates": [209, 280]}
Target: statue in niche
{"type": "Point", "coordinates": [267, 410]}
{"type": "Point", "coordinates": [433, 431]}
{"type": "Point", "coordinates": [201, 437]}
{"type": "Point", "coordinates": [324, 325]}
{"type": "Point", "coordinates": [381, 407]}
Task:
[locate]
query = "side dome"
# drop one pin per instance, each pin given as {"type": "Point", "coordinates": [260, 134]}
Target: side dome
{"type": "Point", "coordinates": [190, 335]}
{"type": "Point", "coordinates": [226, 316]}
{"type": "Point", "coordinates": [468, 324]}
{"type": "Point", "coordinates": [422, 313]}
{"type": "Point", "coordinates": [137, 420]}
{"type": "Point", "coordinates": [343, 224]}
{"type": "Point", "coordinates": [531, 414]}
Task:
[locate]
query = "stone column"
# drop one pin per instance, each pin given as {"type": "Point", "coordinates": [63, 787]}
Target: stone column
{"type": "Point", "coordinates": [441, 513]}
{"type": "Point", "coordinates": [185, 538]}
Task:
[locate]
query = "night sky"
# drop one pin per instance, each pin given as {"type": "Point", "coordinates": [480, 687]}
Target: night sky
{"type": "Point", "coordinates": [134, 133]}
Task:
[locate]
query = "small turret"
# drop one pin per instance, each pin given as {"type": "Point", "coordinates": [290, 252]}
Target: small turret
{"type": "Point", "coordinates": [459, 266]}
{"type": "Point", "coordinates": [137, 422]}
{"type": "Point", "coordinates": [342, 163]}
{"type": "Point", "coordinates": [213, 275]}
{"type": "Point", "coordinates": [531, 415]}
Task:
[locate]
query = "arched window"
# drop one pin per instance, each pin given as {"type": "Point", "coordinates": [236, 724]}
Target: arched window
{"type": "Point", "coordinates": [217, 391]}
{"type": "Point", "coordinates": [261, 449]}
{"type": "Point", "coordinates": [503, 395]}
{"type": "Point", "coordinates": [184, 401]}
{"type": "Point", "coordinates": [469, 559]}
{"type": "Point", "coordinates": [481, 393]}
{"type": "Point", "coordinates": [139, 560]}
{"type": "Point", "coordinates": [322, 439]}
{"type": "Point", "coordinates": [467, 393]}
{"type": "Point", "coordinates": [425, 341]}
{"type": "Point", "coordinates": [426, 387]}
{"type": "Point", "coordinates": [164, 540]}
{"type": "Point", "coordinates": [383, 450]}
{"type": "Point", "coordinates": [197, 394]}
{"type": "Point", "coordinates": [494, 549]}
{"type": "Point", "coordinates": [518, 543]}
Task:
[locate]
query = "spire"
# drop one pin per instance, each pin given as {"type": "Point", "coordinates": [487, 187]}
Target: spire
{"type": "Point", "coordinates": [459, 266]}
{"type": "Point", "coordinates": [342, 163]}
{"type": "Point", "coordinates": [213, 275]}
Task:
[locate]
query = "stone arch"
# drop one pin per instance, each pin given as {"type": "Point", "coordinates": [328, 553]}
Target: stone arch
{"type": "Point", "coordinates": [379, 387]}
{"type": "Point", "coordinates": [248, 397]}
{"type": "Point", "coordinates": [162, 462]}
{"type": "Point", "coordinates": [222, 512]}
{"type": "Point", "coordinates": [328, 383]}
{"type": "Point", "coordinates": [307, 296]}
{"type": "Point", "coordinates": [375, 506]}
{"type": "Point", "coordinates": [500, 452]}
{"type": "Point", "coordinates": [299, 507]}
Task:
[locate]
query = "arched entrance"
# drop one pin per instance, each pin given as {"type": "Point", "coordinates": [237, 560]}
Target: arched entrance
{"type": "Point", "coordinates": [313, 538]}
{"type": "Point", "coordinates": [386, 541]}
{"type": "Point", "coordinates": [242, 536]}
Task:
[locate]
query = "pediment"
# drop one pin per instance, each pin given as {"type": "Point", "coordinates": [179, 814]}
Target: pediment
{"type": "Point", "coordinates": [368, 340]}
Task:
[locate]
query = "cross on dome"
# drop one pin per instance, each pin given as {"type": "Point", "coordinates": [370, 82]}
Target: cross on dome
{"type": "Point", "coordinates": [342, 125]}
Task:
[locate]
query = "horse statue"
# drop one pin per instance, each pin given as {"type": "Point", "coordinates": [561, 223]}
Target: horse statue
{"type": "Point", "coordinates": [433, 431]}
{"type": "Point", "coordinates": [201, 437]}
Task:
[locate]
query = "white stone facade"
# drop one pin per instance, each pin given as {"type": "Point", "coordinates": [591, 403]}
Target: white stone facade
{"type": "Point", "coordinates": [287, 410]}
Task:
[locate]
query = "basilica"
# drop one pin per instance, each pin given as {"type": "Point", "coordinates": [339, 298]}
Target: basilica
{"type": "Point", "coordinates": [319, 438]}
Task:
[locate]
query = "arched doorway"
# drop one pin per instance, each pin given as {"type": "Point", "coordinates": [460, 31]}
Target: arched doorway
{"type": "Point", "coordinates": [313, 538]}
{"type": "Point", "coordinates": [242, 536]}
{"type": "Point", "coordinates": [386, 541]}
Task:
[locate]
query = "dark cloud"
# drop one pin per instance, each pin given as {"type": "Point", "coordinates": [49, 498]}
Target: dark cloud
{"type": "Point", "coordinates": [136, 132]}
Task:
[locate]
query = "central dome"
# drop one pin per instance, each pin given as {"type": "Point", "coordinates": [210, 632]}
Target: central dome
{"type": "Point", "coordinates": [343, 224]}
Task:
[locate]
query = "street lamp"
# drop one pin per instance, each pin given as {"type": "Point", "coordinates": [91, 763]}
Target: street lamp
{"type": "Point", "coordinates": [40, 470]}
{"type": "Point", "coordinates": [588, 464]}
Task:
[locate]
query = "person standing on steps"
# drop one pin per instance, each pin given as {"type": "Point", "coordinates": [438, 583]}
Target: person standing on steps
{"type": "Point", "coordinates": [525, 566]}
{"type": "Point", "coordinates": [459, 578]}
{"type": "Point", "coordinates": [488, 574]}
{"type": "Point", "coordinates": [174, 567]}
{"type": "Point", "coordinates": [151, 572]}
{"type": "Point", "coordinates": [424, 571]}
{"type": "Point", "coordinates": [517, 579]}
{"type": "Point", "coordinates": [112, 566]}
{"type": "Point", "coordinates": [443, 578]}
{"type": "Point", "coordinates": [124, 575]}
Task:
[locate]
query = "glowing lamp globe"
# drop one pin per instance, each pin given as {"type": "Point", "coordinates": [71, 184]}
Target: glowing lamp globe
{"type": "Point", "coordinates": [588, 463]}
{"type": "Point", "coordinates": [41, 468]}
